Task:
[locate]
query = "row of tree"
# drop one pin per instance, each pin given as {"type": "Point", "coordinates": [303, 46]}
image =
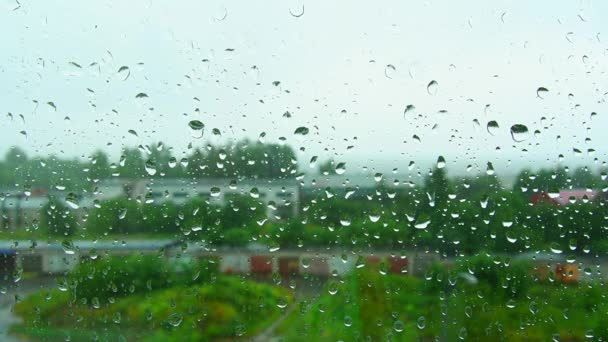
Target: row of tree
{"type": "Point", "coordinates": [244, 159]}
{"type": "Point", "coordinates": [446, 215]}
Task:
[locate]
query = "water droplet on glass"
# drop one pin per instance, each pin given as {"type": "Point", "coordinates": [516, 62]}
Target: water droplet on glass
{"type": "Point", "coordinates": [555, 248]}
{"type": "Point", "coordinates": [422, 223]}
{"type": "Point", "coordinates": [301, 130]}
{"type": "Point", "coordinates": [490, 169]}
{"type": "Point", "coordinates": [348, 321]}
{"type": "Point", "coordinates": [398, 326]}
{"type": "Point", "coordinates": [519, 132]}
{"type": "Point", "coordinates": [150, 167]}
{"type": "Point", "coordinates": [122, 213]}
{"type": "Point", "coordinates": [215, 191]}
{"type": "Point", "coordinates": [440, 162]}
{"type": "Point", "coordinates": [333, 287]}
{"type": "Point", "coordinates": [432, 87]}
{"type": "Point", "coordinates": [541, 91]}
{"type": "Point", "coordinates": [175, 319]}
{"type": "Point", "coordinates": [68, 246]}
{"type": "Point", "coordinates": [408, 109]}
{"type": "Point", "coordinates": [492, 127]}
{"type": "Point", "coordinates": [340, 168]}
{"type": "Point", "coordinates": [421, 322]}
{"type": "Point", "coordinates": [296, 13]}
{"type": "Point", "coordinates": [196, 128]}
{"type": "Point", "coordinates": [72, 200]}
{"type": "Point", "coordinates": [124, 70]}
{"type": "Point", "coordinates": [389, 71]}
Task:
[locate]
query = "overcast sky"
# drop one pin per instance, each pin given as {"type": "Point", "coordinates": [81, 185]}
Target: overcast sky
{"type": "Point", "coordinates": [487, 57]}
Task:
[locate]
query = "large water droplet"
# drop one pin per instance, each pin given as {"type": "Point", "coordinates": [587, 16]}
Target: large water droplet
{"type": "Point", "coordinates": [196, 128]}
{"type": "Point", "coordinates": [408, 109]}
{"type": "Point", "coordinates": [440, 162]}
{"type": "Point", "coordinates": [215, 191]}
{"type": "Point", "coordinates": [492, 127]}
{"type": "Point", "coordinates": [72, 200]}
{"type": "Point", "coordinates": [490, 169]}
{"type": "Point", "coordinates": [519, 132]}
{"type": "Point", "coordinates": [340, 168]}
{"type": "Point", "coordinates": [399, 326]}
{"type": "Point", "coordinates": [389, 71]}
{"type": "Point", "coordinates": [541, 91]}
{"type": "Point", "coordinates": [421, 322]}
{"type": "Point", "coordinates": [150, 167]}
{"type": "Point", "coordinates": [68, 247]}
{"type": "Point", "coordinates": [301, 130]}
{"type": "Point", "coordinates": [175, 319]}
{"type": "Point", "coordinates": [296, 13]}
{"type": "Point", "coordinates": [422, 223]}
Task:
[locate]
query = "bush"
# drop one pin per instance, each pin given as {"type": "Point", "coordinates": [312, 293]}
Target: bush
{"type": "Point", "coordinates": [116, 276]}
{"type": "Point", "coordinates": [506, 278]}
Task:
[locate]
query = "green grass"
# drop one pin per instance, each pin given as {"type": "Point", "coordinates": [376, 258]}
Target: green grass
{"type": "Point", "coordinates": [227, 307]}
{"type": "Point", "coordinates": [372, 306]}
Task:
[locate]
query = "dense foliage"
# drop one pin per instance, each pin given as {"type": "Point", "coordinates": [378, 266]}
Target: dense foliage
{"type": "Point", "coordinates": [506, 303]}
{"type": "Point", "coordinates": [139, 300]}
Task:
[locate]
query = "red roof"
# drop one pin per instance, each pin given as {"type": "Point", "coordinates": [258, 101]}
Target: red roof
{"type": "Point", "coordinates": [564, 196]}
{"type": "Point", "coordinates": [576, 194]}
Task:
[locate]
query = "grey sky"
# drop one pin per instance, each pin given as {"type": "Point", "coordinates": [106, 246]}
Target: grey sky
{"type": "Point", "coordinates": [332, 58]}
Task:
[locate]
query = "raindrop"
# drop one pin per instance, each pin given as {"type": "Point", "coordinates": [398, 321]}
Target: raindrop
{"type": "Point", "coordinates": [399, 326]}
{"type": "Point", "coordinates": [68, 247]}
{"type": "Point", "coordinates": [340, 168]}
{"type": "Point", "coordinates": [333, 287]}
{"type": "Point", "coordinates": [215, 191]}
{"type": "Point", "coordinates": [541, 91]}
{"type": "Point", "coordinates": [150, 167]}
{"type": "Point", "coordinates": [555, 248]}
{"type": "Point", "coordinates": [124, 70]}
{"type": "Point", "coordinates": [389, 70]}
{"type": "Point", "coordinates": [440, 162]}
{"type": "Point", "coordinates": [432, 87]}
{"type": "Point", "coordinates": [301, 130]}
{"type": "Point", "coordinates": [122, 213]}
{"type": "Point", "coordinates": [490, 169]}
{"type": "Point", "coordinates": [519, 132]}
{"type": "Point", "coordinates": [492, 127]}
{"type": "Point", "coordinates": [141, 96]}
{"type": "Point", "coordinates": [298, 13]}
{"type": "Point", "coordinates": [422, 223]}
{"type": "Point", "coordinates": [132, 132]}
{"type": "Point", "coordinates": [409, 108]}
{"type": "Point", "coordinates": [175, 319]}
{"type": "Point", "coordinates": [348, 321]}
{"type": "Point", "coordinates": [196, 128]}
{"type": "Point", "coordinates": [421, 322]}
{"type": "Point", "coordinates": [72, 200]}
{"type": "Point", "coordinates": [533, 307]}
